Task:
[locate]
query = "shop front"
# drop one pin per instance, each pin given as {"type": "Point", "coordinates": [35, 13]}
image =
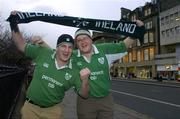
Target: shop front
{"type": "Point", "coordinates": [168, 72]}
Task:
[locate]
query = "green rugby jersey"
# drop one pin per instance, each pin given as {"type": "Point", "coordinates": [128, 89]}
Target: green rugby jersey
{"type": "Point", "coordinates": [100, 78]}
{"type": "Point", "coordinates": [49, 83]}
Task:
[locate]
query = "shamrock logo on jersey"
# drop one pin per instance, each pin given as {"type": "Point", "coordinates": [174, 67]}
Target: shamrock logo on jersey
{"type": "Point", "coordinates": [101, 60]}
{"type": "Point", "coordinates": [45, 65]}
{"type": "Point", "coordinates": [79, 63]}
{"type": "Point", "coordinates": [68, 76]}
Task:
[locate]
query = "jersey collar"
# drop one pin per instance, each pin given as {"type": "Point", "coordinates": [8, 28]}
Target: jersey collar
{"type": "Point", "coordinates": [95, 51]}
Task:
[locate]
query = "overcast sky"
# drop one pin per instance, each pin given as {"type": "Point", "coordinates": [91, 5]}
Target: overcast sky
{"type": "Point", "coordinates": [96, 9]}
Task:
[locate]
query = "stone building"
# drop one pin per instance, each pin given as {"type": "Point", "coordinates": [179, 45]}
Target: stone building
{"type": "Point", "coordinates": [158, 49]}
{"type": "Point", "coordinates": [169, 57]}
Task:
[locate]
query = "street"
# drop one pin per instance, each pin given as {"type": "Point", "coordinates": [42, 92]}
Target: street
{"type": "Point", "coordinates": [156, 101]}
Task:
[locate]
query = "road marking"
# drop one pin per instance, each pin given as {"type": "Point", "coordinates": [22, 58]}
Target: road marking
{"type": "Point", "coordinates": [150, 99]}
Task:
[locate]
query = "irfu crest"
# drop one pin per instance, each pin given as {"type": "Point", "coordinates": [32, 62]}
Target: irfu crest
{"type": "Point", "coordinates": [101, 60]}
{"type": "Point", "coordinates": [68, 76]}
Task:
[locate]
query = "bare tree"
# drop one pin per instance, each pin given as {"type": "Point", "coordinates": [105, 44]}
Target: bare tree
{"type": "Point", "coordinates": [9, 54]}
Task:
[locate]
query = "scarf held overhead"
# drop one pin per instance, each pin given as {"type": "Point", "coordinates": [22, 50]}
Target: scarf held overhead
{"type": "Point", "coordinates": [118, 27]}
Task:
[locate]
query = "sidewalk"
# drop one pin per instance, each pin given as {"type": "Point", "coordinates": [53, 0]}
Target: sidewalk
{"type": "Point", "coordinates": [120, 112]}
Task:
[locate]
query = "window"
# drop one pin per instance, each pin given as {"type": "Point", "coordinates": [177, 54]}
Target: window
{"type": "Point", "coordinates": [163, 34]}
{"type": "Point", "coordinates": [151, 37]}
{"type": "Point", "coordinates": [167, 20]}
{"type": "Point", "coordinates": [125, 59]}
{"type": "Point", "coordinates": [149, 25]}
{"type": "Point", "coordinates": [133, 17]}
{"type": "Point", "coordinates": [138, 56]}
{"type": "Point", "coordinates": [151, 53]}
{"type": "Point", "coordinates": [146, 38]}
{"type": "Point", "coordinates": [130, 57]}
{"type": "Point", "coordinates": [145, 25]}
{"type": "Point", "coordinates": [172, 32]}
{"type": "Point", "coordinates": [146, 54]}
{"type": "Point", "coordinates": [177, 29]}
{"type": "Point", "coordinates": [138, 43]}
{"type": "Point", "coordinates": [149, 11]}
{"type": "Point", "coordinates": [145, 13]}
{"type": "Point", "coordinates": [171, 18]}
{"type": "Point", "coordinates": [134, 56]}
{"type": "Point", "coordinates": [167, 33]}
{"type": "Point", "coordinates": [162, 21]}
{"type": "Point", "coordinates": [177, 18]}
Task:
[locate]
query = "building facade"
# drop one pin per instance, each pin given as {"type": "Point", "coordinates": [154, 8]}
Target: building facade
{"type": "Point", "coordinates": [160, 51]}
{"type": "Point", "coordinates": [140, 60]}
{"type": "Point", "coordinates": [168, 59]}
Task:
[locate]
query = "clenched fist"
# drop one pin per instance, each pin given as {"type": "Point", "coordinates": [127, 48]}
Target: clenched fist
{"type": "Point", "coordinates": [85, 73]}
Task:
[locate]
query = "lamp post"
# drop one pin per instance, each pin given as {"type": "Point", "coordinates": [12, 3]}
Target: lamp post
{"type": "Point", "coordinates": [158, 25]}
{"type": "Point", "coordinates": [178, 77]}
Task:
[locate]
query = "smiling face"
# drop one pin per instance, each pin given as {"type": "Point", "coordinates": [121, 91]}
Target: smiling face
{"type": "Point", "coordinates": [84, 44]}
{"type": "Point", "coordinates": [64, 52]}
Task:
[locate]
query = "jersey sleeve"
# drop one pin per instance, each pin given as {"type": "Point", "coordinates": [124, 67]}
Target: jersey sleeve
{"type": "Point", "coordinates": [112, 48]}
{"type": "Point", "coordinates": [77, 83]}
{"type": "Point", "coordinates": [32, 51]}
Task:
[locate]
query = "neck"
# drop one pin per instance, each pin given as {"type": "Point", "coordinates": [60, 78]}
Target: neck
{"type": "Point", "coordinates": [61, 63]}
{"type": "Point", "coordinates": [88, 54]}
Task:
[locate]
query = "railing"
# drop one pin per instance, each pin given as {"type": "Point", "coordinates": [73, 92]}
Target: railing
{"type": "Point", "coordinates": [10, 85]}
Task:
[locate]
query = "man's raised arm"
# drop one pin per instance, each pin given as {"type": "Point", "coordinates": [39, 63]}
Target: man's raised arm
{"type": "Point", "coordinates": [16, 34]}
{"type": "Point", "coordinates": [130, 41]}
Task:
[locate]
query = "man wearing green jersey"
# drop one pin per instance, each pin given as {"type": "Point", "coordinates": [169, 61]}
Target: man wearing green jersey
{"type": "Point", "coordinates": [53, 75]}
{"type": "Point", "coordinates": [97, 58]}
{"type": "Point", "coordinates": [99, 105]}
